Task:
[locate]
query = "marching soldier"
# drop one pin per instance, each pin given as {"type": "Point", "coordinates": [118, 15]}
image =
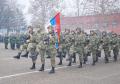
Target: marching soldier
{"type": "Point", "coordinates": [115, 46]}
{"type": "Point", "coordinates": [105, 45]}
{"type": "Point", "coordinates": [24, 45]}
{"type": "Point", "coordinates": [93, 44]}
{"type": "Point", "coordinates": [72, 47]}
{"type": "Point", "coordinates": [42, 47]}
{"type": "Point", "coordinates": [79, 46]}
{"type": "Point", "coordinates": [52, 49]}
{"type": "Point", "coordinates": [32, 42]}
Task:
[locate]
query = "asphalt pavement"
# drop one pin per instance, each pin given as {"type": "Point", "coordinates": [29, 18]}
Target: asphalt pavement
{"type": "Point", "coordinates": [13, 71]}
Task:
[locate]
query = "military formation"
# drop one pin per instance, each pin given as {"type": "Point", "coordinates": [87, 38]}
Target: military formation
{"type": "Point", "coordinates": [15, 40]}
{"type": "Point", "coordinates": [72, 44]}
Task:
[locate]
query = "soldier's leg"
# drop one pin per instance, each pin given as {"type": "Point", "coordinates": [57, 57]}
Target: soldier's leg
{"type": "Point", "coordinates": [42, 54]}
{"type": "Point", "coordinates": [70, 59]}
{"type": "Point", "coordinates": [80, 60]}
{"type": "Point", "coordinates": [33, 55]}
{"type": "Point", "coordinates": [27, 49]}
{"type": "Point", "coordinates": [19, 52]}
{"type": "Point", "coordinates": [74, 57]}
{"type": "Point", "coordinates": [106, 56]}
{"type": "Point", "coordinates": [115, 52]}
{"type": "Point", "coordinates": [60, 57]}
{"type": "Point", "coordinates": [52, 62]}
{"type": "Point", "coordinates": [94, 57]}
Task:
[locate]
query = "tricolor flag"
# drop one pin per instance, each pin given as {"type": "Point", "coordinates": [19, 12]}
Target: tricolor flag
{"type": "Point", "coordinates": [55, 22]}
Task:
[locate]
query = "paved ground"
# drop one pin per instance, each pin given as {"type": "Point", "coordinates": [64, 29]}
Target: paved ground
{"type": "Point", "coordinates": [14, 71]}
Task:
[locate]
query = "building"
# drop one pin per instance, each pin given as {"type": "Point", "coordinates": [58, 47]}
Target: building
{"type": "Point", "coordinates": [110, 23]}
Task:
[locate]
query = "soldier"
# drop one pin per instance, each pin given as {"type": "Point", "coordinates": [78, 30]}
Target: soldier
{"type": "Point", "coordinates": [72, 47]}
{"type": "Point", "coordinates": [12, 41]}
{"type": "Point", "coordinates": [115, 46]}
{"type": "Point", "coordinates": [61, 49]}
{"type": "Point", "coordinates": [105, 45]}
{"type": "Point", "coordinates": [79, 46]}
{"type": "Point", "coordinates": [52, 49]}
{"type": "Point", "coordinates": [24, 45]}
{"type": "Point", "coordinates": [93, 44]}
{"type": "Point", "coordinates": [42, 47]}
{"type": "Point", "coordinates": [6, 41]}
{"type": "Point", "coordinates": [32, 42]}
{"type": "Point", "coordinates": [18, 41]}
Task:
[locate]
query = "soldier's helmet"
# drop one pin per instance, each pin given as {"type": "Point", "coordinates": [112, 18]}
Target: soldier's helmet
{"type": "Point", "coordinates": [104, 33]}
{"type": "Point", "coordinates": [114, 34]}
{"type": "Point", "coordinates": [92, 32]}
{"type": "Point", "coordinates": [78, 29]}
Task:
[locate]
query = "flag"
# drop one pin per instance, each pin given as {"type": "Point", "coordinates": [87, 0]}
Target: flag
{"type": "Point", "coordinates": [55, 22]}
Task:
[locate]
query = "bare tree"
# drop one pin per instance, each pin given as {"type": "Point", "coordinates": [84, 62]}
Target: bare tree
{"type": "Point", "coordinates": [42, 11]}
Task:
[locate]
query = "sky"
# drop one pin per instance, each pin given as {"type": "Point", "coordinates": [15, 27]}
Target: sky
{"type": "Point", "coordinates": [24, 5]}
{"type": "Point", "coordinates": [69, 5]}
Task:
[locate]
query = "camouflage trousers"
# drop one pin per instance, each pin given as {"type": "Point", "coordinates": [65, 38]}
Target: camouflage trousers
{"type": "Point", "coordinates": [52, 52]}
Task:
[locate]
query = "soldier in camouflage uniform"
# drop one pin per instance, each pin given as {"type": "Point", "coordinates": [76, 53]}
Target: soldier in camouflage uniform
{"type": "Point", "coordinates": [24, 45]}
{"type": "Point", "coordinates": [18, 41]}
{"type": "Point", "coordinates": [6, 41]}
{"type": "Point", "coordinates": [12, 41]}
{"type": "Point", "coordinates": [42, 47]}
{"type": "Point", "coordinates": [115, 46]}
{"type": "Point", "coordinates": [32, 42]}
{"type": "Point", "coordinates": [61, 50]}
{"type": "Point", "coordinates": [72, 47]}
{"type": "Point", "coordinates": [52, 49]}
{"type": "Point", "coordinates": [79, 46]}
{"type": "Point", "coordinates": [93, 44]}
{"type": "Point", "coordinates": [106, 45]}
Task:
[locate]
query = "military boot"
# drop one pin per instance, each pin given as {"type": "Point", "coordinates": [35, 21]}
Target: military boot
{"type": "Point", "coordinates": [80, 66]}
{"type": "Point", "coordinates": [42, 67]}
{"type": "Point", "coordinates": [33, 66]}
{"type": "Point", "coordinates": [52, 70]}
{"type": "Point", "coordinates": [60, 63]}
{"type": "Point", "coordinates": [25, 55]}
{"type": "Point", "coordinates": [18, 56]}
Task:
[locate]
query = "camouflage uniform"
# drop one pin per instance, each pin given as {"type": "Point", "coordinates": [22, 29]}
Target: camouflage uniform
{"type": "Point", "coordinates": [18, 41]}
{"type": "Point", "coordinates": [41, 48]}
{"type": "Point", "coordinates": [72, 47]}
{"type": "Point", "coordinates": [106, 46]}
{"type": "Point", "coordinates": [93, 45]}
{"type": "Point", "coordinates": [115, 46]}
{"type": "Point", "coordinates": [6, 41]}
{"type": "Point", "coordinates": [79, 46]}
{"type": "Point", "coordinates": [12, 41]}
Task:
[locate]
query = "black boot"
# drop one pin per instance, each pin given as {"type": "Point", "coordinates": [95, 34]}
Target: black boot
{"type": "Point", "coordinates": [52, 70]}
{"type": "Point", "coordinates": [80, 66]}
{"type": "Point", "coordinates": [18, 56]}
{"type": "Point", "coordinates": [33, 66]}
{"type": "Point", "coordinates": [93, 63]}
{"type": "Point", "coordinates": [25, 55]}
{"type": "Point", "coordinates": [42, 67]}
{"type": "Point", "coordinates": [60, 63]}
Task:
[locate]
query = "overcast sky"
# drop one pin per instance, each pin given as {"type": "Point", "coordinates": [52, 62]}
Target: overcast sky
{"type": "Point", "coordinates": [24, 4]}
